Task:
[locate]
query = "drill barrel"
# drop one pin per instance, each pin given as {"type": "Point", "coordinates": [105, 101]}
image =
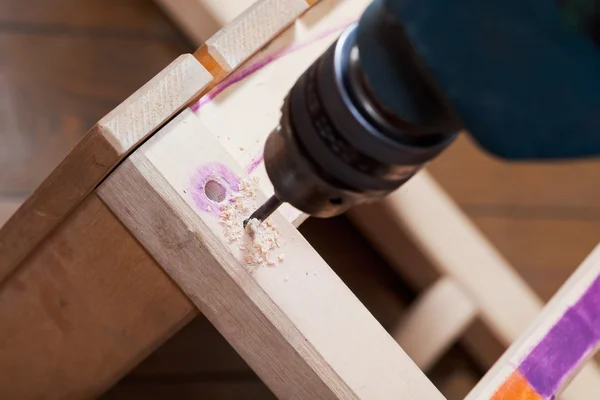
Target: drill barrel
{"type": "Point", "coordinates": [337, 145]}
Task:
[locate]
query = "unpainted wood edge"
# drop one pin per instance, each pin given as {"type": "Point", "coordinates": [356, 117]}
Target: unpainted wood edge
{"type": "Point", "coordinates": [435, 321]}
{"type": "Point", "coordinates": [209, 62]}
{"type": "Point", "coordinates": [137, 212]}
{"type": "Point", "coordinates": [94, 157]}
{"type": "Point", "coordinates": [252, 30]}
{"type": "Point", "coordinates": [568, 294]}
{"type": "Point", "coordinates": [154, 103]}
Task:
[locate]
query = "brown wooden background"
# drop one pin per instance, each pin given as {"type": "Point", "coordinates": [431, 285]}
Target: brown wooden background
{"type": "Point", "coordinates": [65, 63]}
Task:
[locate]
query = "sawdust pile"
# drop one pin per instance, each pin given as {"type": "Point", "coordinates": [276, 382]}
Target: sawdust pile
{"type": "Point", "coordinates": [257, 241]}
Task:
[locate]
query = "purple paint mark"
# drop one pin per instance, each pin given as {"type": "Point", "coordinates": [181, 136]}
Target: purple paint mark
{"type": "Point", "coordinates": [254, 164]}
{"type": "Point", "coordinates": [219, 173]}
{"type": "Point", "coordinates": [250, 69]}
{"type": "Point", "coordinates": [557, 354]}
{"type": "Point", "coordinates": [571, 339]}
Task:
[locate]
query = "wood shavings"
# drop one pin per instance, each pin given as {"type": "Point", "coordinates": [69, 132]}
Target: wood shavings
{"type": "Point", "coordinates": [258, 241]}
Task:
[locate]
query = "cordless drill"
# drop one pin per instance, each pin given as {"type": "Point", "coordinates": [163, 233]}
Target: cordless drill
{"type": "Point", "coordinates": [520, 76]}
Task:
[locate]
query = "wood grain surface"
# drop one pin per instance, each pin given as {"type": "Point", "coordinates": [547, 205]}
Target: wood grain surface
{"type": "Point", "coordinates": [72, 61]}
{"type": "Point", "coordinates": [299, 348]}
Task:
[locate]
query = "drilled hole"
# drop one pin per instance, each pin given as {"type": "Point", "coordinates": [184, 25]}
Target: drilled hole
{"type": "Point", "coordinates": [215, 191]}
{"type": "Point", "coordinates": [336, 202]}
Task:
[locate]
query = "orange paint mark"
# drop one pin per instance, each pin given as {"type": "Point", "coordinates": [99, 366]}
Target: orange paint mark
{"type": "Point", "coordinates": [516, 387]}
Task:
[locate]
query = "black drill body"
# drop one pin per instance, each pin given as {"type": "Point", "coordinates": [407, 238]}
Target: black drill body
{"type": "Point", "coordinates": [338, 145]}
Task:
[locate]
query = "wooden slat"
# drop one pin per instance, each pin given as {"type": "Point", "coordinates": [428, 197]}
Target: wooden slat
{"type": "Point", "coordinates": [555, 347]}
{"type": "Point", "coordinates": [434, 322]}
{"type": "Point", "coordinates": [83, 310]}
{"type": "Point", "coordinates": [198, 351]}
{"type": "Point", "coordinates": [300, 349]}
{"type": "Point", "coordinates": [108, 142]}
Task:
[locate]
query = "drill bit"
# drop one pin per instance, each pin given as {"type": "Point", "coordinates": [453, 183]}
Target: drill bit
{"type": "Point", "coordinates": [265, 210]}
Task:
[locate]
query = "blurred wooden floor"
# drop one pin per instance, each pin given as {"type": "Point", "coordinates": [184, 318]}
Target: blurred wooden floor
{"type": "Point", "coordinates": [65, 63]}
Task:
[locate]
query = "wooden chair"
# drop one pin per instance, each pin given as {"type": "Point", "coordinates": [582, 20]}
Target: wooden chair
{"type": "Point", "coordinates": [126, 241]}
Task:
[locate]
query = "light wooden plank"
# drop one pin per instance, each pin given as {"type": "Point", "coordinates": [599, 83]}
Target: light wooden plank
{"type": "Point", "coordinates": [199, 350]}
{"type": "Point", "coordinates": [103, 147]}
{"type": "Point", "coordinates": [434, 322]}
{"type": "Point", "coordinates": [556, 341]}
{"type": "Point", "coordinates": [295, 323]}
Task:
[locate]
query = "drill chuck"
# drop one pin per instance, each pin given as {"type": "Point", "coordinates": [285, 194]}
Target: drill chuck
{"type": "Point", "coordinates": [337, 145]}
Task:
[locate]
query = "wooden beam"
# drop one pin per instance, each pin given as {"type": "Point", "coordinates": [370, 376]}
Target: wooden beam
{"type": "Point", "coordinates": [292, 319]}
{"type": "Point", "coordinates": [555, 347]}
{"type": "Point", "coordinates": [434, 322]}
